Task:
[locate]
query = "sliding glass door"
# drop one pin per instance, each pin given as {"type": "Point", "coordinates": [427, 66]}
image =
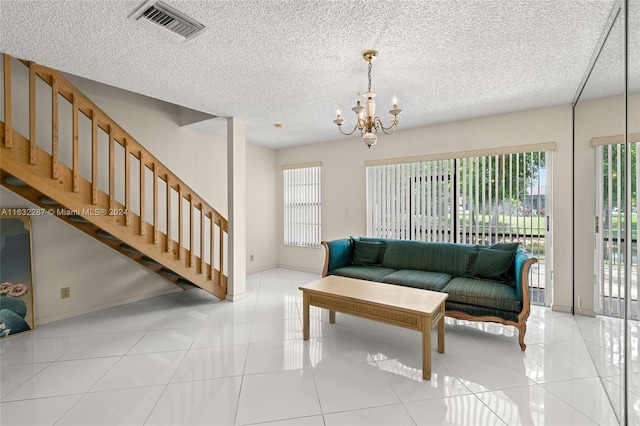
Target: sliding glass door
{"type": "Point", "coordinates": [471, 200]}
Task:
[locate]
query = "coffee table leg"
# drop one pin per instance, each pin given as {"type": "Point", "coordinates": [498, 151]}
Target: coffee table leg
{"type": "Point", "coordinates": [426, 347]}
{"type": "Point", "coordinates": [305, 316]}
{"type": "Point", "coordinates": [441, 335]}
{"type": "Point", "coordinates": [332, 317]}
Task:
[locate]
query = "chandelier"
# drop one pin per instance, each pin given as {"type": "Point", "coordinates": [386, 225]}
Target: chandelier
{"type": "Point", "coordinates": [367, 122]}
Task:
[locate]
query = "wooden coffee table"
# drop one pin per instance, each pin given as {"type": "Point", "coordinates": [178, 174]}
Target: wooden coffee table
{"type": "Point", "coordinates": [407, 307]}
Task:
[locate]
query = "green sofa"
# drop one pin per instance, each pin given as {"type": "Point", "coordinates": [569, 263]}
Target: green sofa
{"type": "Point", "coordinates": [484, 283]}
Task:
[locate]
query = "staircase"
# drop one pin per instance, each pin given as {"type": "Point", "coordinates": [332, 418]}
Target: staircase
{"type": "Point", "coordinates": [171, 230]}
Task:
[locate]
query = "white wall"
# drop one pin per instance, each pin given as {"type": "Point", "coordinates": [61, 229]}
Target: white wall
{"type": "Point", "coordinates": [343, 176]}
{"type": "Point", "coordinates": [262, 213]}
{"type": "Point", "coordinates": [98, 277]}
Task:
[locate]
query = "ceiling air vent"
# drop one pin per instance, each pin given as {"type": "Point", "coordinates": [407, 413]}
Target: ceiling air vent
{"type": "Point", "coordinates": [168, 21]}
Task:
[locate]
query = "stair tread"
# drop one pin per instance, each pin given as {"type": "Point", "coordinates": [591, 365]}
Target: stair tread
{"type": "Point", "coordinates": [77, 218]}
{"type": "Point", "coordinates": [48, 201]}
{"type": "Point", "coordinates": [183, 281]}
{"type": "Point", "coordinates": [150, 261]}
{"type": "Point", "coordinates": [104, 234]}
{"type": "Point", "coordinates": [129, 249]}
{"type": "Point", "coordinates": [169, 272]}
{"type": "Point", "coordinates": [14, 181]}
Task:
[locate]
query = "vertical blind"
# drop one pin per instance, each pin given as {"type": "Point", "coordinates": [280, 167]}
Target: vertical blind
{"type": "Point", "coordinates": [473, 200]}
{"type": "Point", "coordinates": [610, 229]}
{"type": "Point", "coordinates": [302, 202]}
{"type": "Point", "coordinates": [411, 201]}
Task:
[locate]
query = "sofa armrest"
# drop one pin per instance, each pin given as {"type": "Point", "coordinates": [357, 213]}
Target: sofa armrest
{"type": "Point", "coordinates": [337, 255]}
{"type": "Point", "coordinates": [523, 262]}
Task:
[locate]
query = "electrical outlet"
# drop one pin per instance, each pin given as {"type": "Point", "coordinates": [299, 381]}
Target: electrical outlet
{"type": "Point", "coordinates": [579, 302]}
{"type": "Point", "coordinates": [65, 293]}
{"type": "Point", "coordinates": [250, 258]}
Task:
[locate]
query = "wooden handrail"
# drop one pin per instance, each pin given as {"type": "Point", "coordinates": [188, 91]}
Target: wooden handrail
{"type": "Point", "coordinates": [199, 209]}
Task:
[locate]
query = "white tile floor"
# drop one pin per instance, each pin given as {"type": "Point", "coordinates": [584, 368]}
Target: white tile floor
{"type": "Point", "coordinates": [187, 358]}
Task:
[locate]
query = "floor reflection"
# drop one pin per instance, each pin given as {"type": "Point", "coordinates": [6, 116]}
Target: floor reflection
{"type": "Point", "coordinates": [189, 358]}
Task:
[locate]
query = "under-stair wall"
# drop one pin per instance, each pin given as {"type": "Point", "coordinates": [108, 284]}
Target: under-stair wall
{"type": "Point", "coordinates": [98, 277]}
{"type": "Point", "coordinates": [194, 153]}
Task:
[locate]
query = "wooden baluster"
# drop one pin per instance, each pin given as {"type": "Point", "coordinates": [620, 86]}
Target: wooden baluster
{"type": "Point", "coordinates": [8, 140]}
{"type": "Point", "coordinates": [191, 221]}
{"type": "Point", "coordinates": [221, 254]}
{"type": "Point", "coordinates": [112, 169]}
{"type": "Point", "coordinates": [155, 203]}
{"type": "Point", "coordinates": [142, 170]}
{"type": "Point", "coordinates": [54, 129]}
{"type": "Point", "coordinates": [201, 262]}
{"type": "Point", "coordinates": [76, 154]}
{"type": "Point", "coordinates": [94, 158]}
{"type": "Point", "coordinates": [32, 113]}
{"type": "Point", "coordinates": [212, 244]}
{"type": "Point", "coordinates": [168, 248]}
{"type": "Point", "coordinates": [180, 219]}
{"type": "Point", "coordinates": [127, 182]}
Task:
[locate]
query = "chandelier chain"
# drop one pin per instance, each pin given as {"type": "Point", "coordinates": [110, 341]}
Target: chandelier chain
{"type": "Point", "coordinates": [369, 77]}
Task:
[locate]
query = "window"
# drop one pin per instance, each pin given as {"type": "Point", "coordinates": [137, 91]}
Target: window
{"type": "Point", "coordinates": [302, 204]}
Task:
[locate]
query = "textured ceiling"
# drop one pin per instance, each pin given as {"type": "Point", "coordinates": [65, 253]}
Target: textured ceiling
{"type": "Point", "coordinates": [292, 62]}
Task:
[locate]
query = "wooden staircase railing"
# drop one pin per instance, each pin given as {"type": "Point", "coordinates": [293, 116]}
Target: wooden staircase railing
{"type": "Point", "coordinates": [188, 248]}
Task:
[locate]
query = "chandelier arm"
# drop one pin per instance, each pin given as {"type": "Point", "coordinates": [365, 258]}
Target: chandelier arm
{"type": "Point", "coordinates": [351, 132]}
{"type": "Point", "coordinates": [385, 130]}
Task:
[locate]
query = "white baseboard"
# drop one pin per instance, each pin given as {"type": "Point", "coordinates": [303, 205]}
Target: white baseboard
{"type": "Point", "coordinates": [235, 297]}
{"type": "Point", "coordinates": [586, 312]}
{"type": "Point", "coordinates": [111, 304]}
{"type": "Point", "coordinates": [260, 269]}
{"type": "Point", "coordinates": [299, 269]}
{"type": "Point", "coordinates": [567, 309]}
{"type": "Point", "coordinates": [559, 308]}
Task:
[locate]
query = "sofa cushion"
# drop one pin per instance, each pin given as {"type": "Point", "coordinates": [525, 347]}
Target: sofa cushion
{"type": "Point", "coordinates": [493, 264]}
{"type": "Point", "coordinates": [369, 273]}
{"type": "Point", "coordinates": [480, 311]}
{"type": "Point", "coordinates": [433, 257]}
{"type": "Point", "coordinates": [484, 293]}
{"type": "Point", "coordinates": [418, 279]}
{"type": "Point", "coordinates": [365, 253]}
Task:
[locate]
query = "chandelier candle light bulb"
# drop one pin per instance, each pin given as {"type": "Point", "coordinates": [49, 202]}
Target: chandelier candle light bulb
{"type": "Point", "coordinates": [367, 122]}
{"type": "Point", "coordinates": [339, 120]}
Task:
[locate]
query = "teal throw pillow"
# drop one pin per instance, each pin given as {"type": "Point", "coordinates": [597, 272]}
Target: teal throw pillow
{"type": "Point", "coordinates": [365, 253]}
{"type": "Point", "coordinates": [505, 246]}
{"type": "Point", "coordinates": [493, 264]}
{"type": "Point", "coordinates": [471, 261]}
